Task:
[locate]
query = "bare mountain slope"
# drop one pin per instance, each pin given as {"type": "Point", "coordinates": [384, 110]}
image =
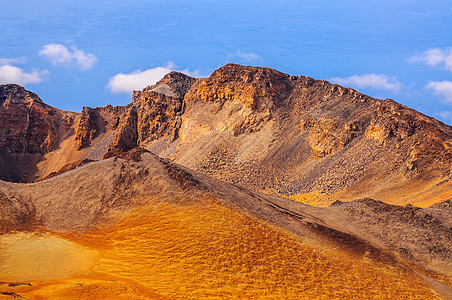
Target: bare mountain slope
{"type": "Point", "coordinates": [186, 218]}
{"type": "Point", "coordinates": [293, 135]}
{"type": "Point", "coordinates": [169, 230]}
{"type": "Point", "coordinates": [253, 126]}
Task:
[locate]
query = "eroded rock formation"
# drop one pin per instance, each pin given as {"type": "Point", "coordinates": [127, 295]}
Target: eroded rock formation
{"type": "Point", "coordinates": [27, 125]}
{"type": "Point", "coordinates": [253, 126]}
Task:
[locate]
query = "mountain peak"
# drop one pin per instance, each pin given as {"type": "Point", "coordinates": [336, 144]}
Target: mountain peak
{"type": "Point", "coordinates": [173, 84]}
{"type": "Point", "coordinates": [260, 128]}
{"type": "Point", "coordinates": [17, 93]}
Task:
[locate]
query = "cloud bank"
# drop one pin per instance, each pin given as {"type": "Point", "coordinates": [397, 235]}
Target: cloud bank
{"type": "Point", "coordinates": [137, 80]}
{"type": "Point", "coordinates": [441, 88]}
{"type": "Point", "coordinates": [435, 57]}
{"type": "Point", "coordinates": [13, 74]}
{"type": "Point", "coordinates": [59, 54]}
{"type": "Point", "coordinates": [375, 81]}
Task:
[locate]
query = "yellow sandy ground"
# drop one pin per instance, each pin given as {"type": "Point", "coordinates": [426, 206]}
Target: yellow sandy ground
{"type": "Point", "coordinates": [206, 250]}
{"type": "Point", "coordinates": [314, 198]}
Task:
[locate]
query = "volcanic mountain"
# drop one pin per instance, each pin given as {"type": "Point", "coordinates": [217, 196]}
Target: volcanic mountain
{"type": "Point", "coordinates": [257, 127]}
{"type": "Point", "coordinates": [183, 193]}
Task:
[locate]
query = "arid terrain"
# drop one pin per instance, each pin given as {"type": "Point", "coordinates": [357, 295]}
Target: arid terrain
{"type": "Point", "coordinates": [250, 183]}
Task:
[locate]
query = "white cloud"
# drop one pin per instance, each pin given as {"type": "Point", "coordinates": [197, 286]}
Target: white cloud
{"type": "Point", "coordinates": [137, 80]}
{"type": "Point", "coordinates": [376, 81]}
{"type": "Point", "coordinates": [56, 53]}
{"type": "Point", "coordinates": [248, 56]}
{"type": "Point", "coordinates": [435, 57]}
{"type": "Point", "coordinates": [12, 74]}
{"type": "Point", "coordinates": [11, 61]}
{"type": "Point", "coordinates": [60, 54]}
{"type": "Point", "coordinates": [441, 88]}
{"type": "Point", "coordinates": [85, 61]}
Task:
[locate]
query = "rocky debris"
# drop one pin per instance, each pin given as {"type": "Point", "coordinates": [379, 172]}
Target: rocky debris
{"type": "Point", "coordinates": [133, 154]}
{"type": "Point", "coordinates": [418, 234]}
{"type": "Point", "coordinates": [27, 125]}
{"type": "Point", "coordinates": [184, 179]}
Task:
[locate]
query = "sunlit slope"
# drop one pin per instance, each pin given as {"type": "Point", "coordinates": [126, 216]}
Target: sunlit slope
{"type": "Point", "coordinates": [204, 249]}
{"type": "Point", "coordinates": [156, 229]}
{"type": "Point", "coordinates": [253, 126]}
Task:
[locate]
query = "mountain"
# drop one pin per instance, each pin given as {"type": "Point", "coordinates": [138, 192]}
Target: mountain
{"type": "Point", "coordinates": [188, 192]}
{"type": "Point", "coordinates": [140, 226]}
{"type": "Point", "coordinates": [294, 136]}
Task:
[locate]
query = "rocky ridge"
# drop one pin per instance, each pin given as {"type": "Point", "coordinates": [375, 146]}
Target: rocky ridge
{"type": "Point", "coordinates": [262, 129]}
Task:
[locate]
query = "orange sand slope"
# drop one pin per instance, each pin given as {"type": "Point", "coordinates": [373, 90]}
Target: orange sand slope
{"type": "Point", "coordinates": [146, 228]}
{"type": "Point", "coordinates": [192, 251]}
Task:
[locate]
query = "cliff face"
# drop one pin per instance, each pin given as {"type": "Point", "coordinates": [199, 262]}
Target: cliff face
{"type": "Point", "coordinates": [255, 93]}
{"type": "Point", "coordinates": [27, 125]}
{"type": "Point", "coordinates": [29, 129]}
{"type": "Point", "coordinates": [160, 107]}
{"type": "Point", "coordinates": [253, 126]}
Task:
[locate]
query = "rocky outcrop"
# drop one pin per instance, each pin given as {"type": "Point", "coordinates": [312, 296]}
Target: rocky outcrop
{"type": "Point", "coordinates": [94, 122]}
{"type": "Point", "coordinates": [155, 113]}
{"type": "Point", "coordinates": [259, 128]}
{"type": "Point", "coordinates": [422, 140]}
{"type": "Point", "coordinates": [173, 84]}
{"type": "Point", "coordinates": [258, 91]}
{"type": "Point", "coordinates": [158, 115]}
{"type": "Point", "coordinates": [126, 135]}
{"type": "Point", "coordinates": [27, 125]}
{"type": "Point", "coordinates": [88, 127]}
{"type": "Point", "coordinates": [257, 88]}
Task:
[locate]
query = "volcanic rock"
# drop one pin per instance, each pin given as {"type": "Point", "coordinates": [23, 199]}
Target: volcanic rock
{"type": "Point", "coordinates": [27, 125]}
{"type": "Point", "coordinates": [257, 127]}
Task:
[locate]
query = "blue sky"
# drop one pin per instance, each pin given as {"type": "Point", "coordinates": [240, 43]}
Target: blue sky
{"type": "Point", "coordinates": [92, 53]}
